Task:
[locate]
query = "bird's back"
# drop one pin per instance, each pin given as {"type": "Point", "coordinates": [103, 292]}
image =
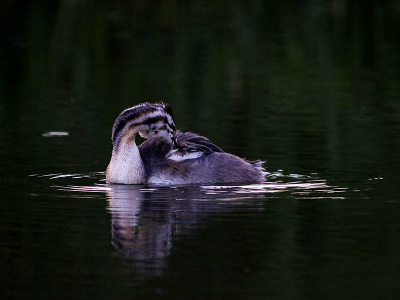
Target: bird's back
{"type": "Point", "coordinates": [200, 161]}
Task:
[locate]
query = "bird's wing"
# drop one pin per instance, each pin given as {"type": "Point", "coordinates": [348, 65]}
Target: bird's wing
{"type": "Point", "coordinates": [191, 142]}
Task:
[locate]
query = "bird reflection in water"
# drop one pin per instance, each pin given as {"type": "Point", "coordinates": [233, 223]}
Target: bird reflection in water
{"type": "Point", "coordinates": [147, 221]}
{"type": "Point", "coordinates": [141, 230]}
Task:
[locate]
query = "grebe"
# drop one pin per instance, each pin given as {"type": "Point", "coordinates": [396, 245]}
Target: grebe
{"type": "Point", "coordinates": [169, 156]}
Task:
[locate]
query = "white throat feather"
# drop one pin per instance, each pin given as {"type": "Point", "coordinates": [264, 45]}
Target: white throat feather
{"type": "Point", "coordinates": [126, 165]}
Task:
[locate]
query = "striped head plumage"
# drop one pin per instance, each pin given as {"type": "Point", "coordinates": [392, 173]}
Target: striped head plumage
{"type": "Point", "coordinates": [152, 121]}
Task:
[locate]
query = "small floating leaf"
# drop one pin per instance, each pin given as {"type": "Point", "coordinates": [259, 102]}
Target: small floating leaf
{"type": "Point", "coordinates": [55, 133]}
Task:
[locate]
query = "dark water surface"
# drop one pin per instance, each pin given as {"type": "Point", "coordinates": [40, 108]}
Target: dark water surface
{"type": "Point", "coordinates": [311, 87]}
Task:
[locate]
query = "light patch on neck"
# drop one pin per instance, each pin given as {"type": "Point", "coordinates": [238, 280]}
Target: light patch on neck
{"type": "Point", "coordinates": [126, 165]}
{"type": "Point", "coordinates": [177, 156]}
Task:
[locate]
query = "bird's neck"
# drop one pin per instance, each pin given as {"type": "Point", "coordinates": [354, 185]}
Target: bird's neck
{"type": "Point", "coordinates": [126, 165]}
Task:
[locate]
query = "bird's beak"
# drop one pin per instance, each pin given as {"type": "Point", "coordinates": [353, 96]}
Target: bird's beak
{"type": "Point", "coordinates": [175, 143]}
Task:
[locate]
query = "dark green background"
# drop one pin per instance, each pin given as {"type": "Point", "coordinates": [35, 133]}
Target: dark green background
{"type": "Point", "coordinates": [312, 87]}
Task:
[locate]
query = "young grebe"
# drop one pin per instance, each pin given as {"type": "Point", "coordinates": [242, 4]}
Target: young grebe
{"type": "Point", "coordinates": [169, 156]}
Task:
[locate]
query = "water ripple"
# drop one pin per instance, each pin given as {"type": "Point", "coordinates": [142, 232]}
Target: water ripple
{"type": "Point", "coordinates": [93, 184]}
{"type": "Point", "coordinates": [299, 187]}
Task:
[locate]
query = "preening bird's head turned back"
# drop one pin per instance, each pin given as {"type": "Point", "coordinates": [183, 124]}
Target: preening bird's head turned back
{"type": "Point", "coordinates": [151, 121]}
